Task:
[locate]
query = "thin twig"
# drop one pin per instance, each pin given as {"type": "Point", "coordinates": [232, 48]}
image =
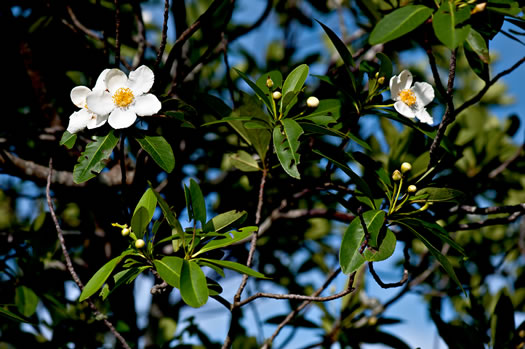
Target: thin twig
{"type": "Point", "coordinates": [164, 37]}
{"type": "Point", "coordinates": [117, 33]}
{"type": "Point", "coordinates": [449, 115]}
{"type": "Point", "coordinates": [292, 314]}
{"type": "Point", "coordinates": [387, 285]}
{"type": "Point", "coordinates": [506, 163]}
{"type": "Point", "coordinates": [489, 210]}
{"type": "Point", "coordinates": [295, 297]}
{"type": "Point", "coordinates": [484, 90]}
{"type": "Point", "coordinates": [69, 264]}
{"type": "Point", "coordinates": [141, 40]}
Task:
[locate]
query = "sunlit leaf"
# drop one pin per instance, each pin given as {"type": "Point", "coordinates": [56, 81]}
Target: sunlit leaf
{"type": "Point", "coordinates": [193, 285]}
{"type": "Point", "coordinates": [91, 161]}
{"type": "Point", "coordinates": [286, 143]}
{"type": "Point", "coordinates": [159, 150]}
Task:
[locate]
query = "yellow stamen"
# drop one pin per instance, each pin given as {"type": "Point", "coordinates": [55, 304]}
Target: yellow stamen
{"type": "Point", "coordinates": [123, 97]}
{"type": "Point", "coordinates": [408, 97]}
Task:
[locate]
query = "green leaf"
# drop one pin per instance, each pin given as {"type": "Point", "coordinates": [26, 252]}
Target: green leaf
{"type": "Point", "coordinates": [196, 202]}
{"type": "Point", "coordinates": [433, 194]}
{"type": "Point", "coordinates": [255, 89]}
{"type": "Point", "coordinates": [502, 322]}
{"type": "Point", "coordinates": [437, 254]}
{"type": "Point", "coordinates": [90, 162]}
{"type": "Point", "coordinates": [398, 23]}
{"type": "Point", "coordinates": [226, 239]}
{"type": "Point", "coordinates": [140, 221]}
{"type": "Point", "coordinates": [435, 229]}
{"type": "Point", "coordinates": [295, 80]}
{"type": "Point", "coordinates": [477, 54]}
{"type": "Point", "coordinates": [292, 87]}
{"type": "Point", "coordinates": [159, 150]}
{"type": "Point", "coordinates": [386, 249]}
{"type": "Point", "coordinates": [327, 107]}
{"type": "Point", "coordinates": [12, 316]}
{"type": "Point", "coordinates": [350, 257]}
{"type": "Point", "coordinates": [343, 51]}
{"type": "Point", "coordinates": [259, 139]}
{"type": "Point", "coordinates": [169, 269]}
{"type": "Point", "coordinates": [124, 277]}
{"type": "Point", "coordinates": [100, 277]}
{"type": "Point", "coordinates": [286, 143]}
{"type": "Point", "coordinates": [172, 220]}
{"type": "Point", "coordinates": [446, 21]}
{"type": "Point", "coordinates": [238, 267]}
{"type": "Point", "coordinates": [244, 162]}
{"type": "Point", "coordinates": [359, 182]}
{"type": "Point", "coordinates": [68, 139]}
{"type": "Point", "coordinates": [224, 221]}
{"type": "Point", "coordinates": [26, 301]}
{"type": "Point", "coordinates": [228, 119]}
{"type": "Point", "coordinates": [193, 285]}
{"type": "Point", "coordinates": [148, 201]}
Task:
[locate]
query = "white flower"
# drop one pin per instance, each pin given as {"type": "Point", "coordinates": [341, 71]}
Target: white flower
{"type": "Point", "coordinates": [410, 101]}
{"type": "Point", "coordinates": [124, 98]}
{"type": "Point", "coordinates": [85, 117]}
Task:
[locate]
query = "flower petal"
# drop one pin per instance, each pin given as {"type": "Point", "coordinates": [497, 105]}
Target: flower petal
{"type": "Point", "coordinates": [78, 96]}
{"type": "Point", "coordinates": [424, 116]}
{"type": "Point", "coordinates": [424, 93]}
{"type": "Point", "coordinates": [122, 118]}
{"type": "Point", "coordinates": [141, 80]}
{"type": "Point", "coordinates": [78, 120]}
{"type": "Point", "coordinates": [100, 102]}
{"type": "Point", "coordinates": [404, 110]}
{"type": "Point", "coordinates": [101, 80]}
{"type": "Point", "coordinates": [400, 82]}
{"type": "Point", "coordinates": [96, 121]}
{"type": "Point", "coordinates": [147, 104]}
{"type": "Point", "coordinates": [115, 79]}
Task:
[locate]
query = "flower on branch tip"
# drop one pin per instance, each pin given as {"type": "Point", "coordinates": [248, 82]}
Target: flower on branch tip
{"type": "Point", "coordinates": [276, 95]}
{"type": "Point", "coordinates": [125, 97]}
{"type": "Point", "coordinates": [412, 189]}
{"type": "Point", "coordinates": [410, 101]}
{"type": "Point", "coordinates": [85, 117]}
{"type": "Point", "coordinates": [139, 243]}
{"type": "Point", "coordinates": [396, 175]}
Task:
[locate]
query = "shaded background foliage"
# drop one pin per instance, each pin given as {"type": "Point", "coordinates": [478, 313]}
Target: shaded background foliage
{"type": "Point", "coordinates": [53, 46]}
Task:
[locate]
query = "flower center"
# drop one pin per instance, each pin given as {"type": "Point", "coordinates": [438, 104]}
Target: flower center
{"type": "Point", "coordinates": [408, 97]}
{"type": "Point", "coordinates": [123, 97]}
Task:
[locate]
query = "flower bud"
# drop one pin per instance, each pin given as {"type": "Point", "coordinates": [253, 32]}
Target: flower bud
{"type": "Point", "coordinates": [139, 243]}
{"type": "Point", "coordinates": [381, 80]}
{"type": "Point", "coordinates": [377, 75]}
{"type": "Point", "coordinates": [405, 167]}
{"type": "Point", "coordinates": [412, 189]}
{"type": "Point", "coordinates": [276, 95]}
{"type": "Point", "coordinates": [269, 82]}
{"type": "Point", "coordinates": [125, 231]}
{"type": "Point", "coordinates": [396, 176]}
{"type": "Point", "coordinates": [312, 102]}
{"type": "Point", "coordinates": [479, 8]}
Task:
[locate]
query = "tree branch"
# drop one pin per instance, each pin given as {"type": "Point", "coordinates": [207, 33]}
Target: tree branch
{"type": "Point", "coordinates": [387, 285]}
{"type": "Point", "coordinates": [69, 264]}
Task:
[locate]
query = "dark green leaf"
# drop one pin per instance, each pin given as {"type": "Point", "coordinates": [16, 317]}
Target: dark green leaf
{"type": "Point", "coordinates": [198, 205]}
{"type": "Point", "coordinates": [12, 316]}
{"type": "Point", "coordinates": [226, 240]}
{"type": "Point", "coordinates": [286, 143]}
{"type": "Point", "coordinates": [386, 249]}
{"type": "Point", "coordinates": [169, 269]}
{"type": "Point", "coordinates": [255, 89]}
{"type": "Point", "coordinates": [68, 139]}
{"type": "Point", "coordinates": [433, 194]}
{"type": "Point", "coordinates": [502, 322]}
{"type": "Point", "coordinates": [159, 150]}
{"type": "Point", "coordinates": [26, 300]}
{"type": "Point", "coordinates": [172, 220]}
{"type": "Point", "coordinates": [238, 267]}
{"type": "Point", "coordinates": [398, 23]}
{"type": "Point", "coordinates": [445, 23]}
{"type": "Point", "coordinates": [350, 257]}
{"type": "Point", "coordinates": [140, 221]}
{"type": "Point", "coordinates": [100, 277]}
{"type": "Point", "coordinates": [436, 253]}
{"type": "Point", "coordinates": [90, 162]}
{"type": "Point", "coordinates": [224, 221]}
{"type": "Point", "coordinates": [244, 162]}
{"type": "Point", "coordinates": [193, 285]}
